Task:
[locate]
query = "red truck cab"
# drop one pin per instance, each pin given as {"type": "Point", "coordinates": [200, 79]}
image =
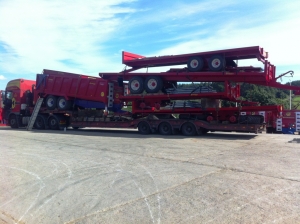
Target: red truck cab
{"type": "Point", "coordinates": [16, 98]}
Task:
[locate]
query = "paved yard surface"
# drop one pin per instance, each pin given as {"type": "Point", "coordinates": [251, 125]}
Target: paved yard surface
{"type": "Point", "coordinates": [117, 176]}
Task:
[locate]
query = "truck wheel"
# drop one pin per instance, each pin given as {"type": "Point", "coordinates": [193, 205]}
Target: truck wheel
{"type": "Point", "coordinates": [216, 63]}
{"type": "Point", "coordinates": [165, 128]}
{"type": "Point", "coordinates": [144, 128]}
{"type": "Point", "coordinates": [203, 131]}
{"type": "Point", "coordinates": [195, 64]}
{"type": "Point", "coordinates": [53, 123]}
{"type": "Point", "coordinates": [39, 122]}
{"type": "Point", "coordinates": [188, 129]}
{"type": "Point", "coordinates": [153, 84]}
{"type": "Point", "coordinates": [51, 102]}
{"type": "Point", "coordinates": [13, 121]}
{"type": "Point", "coordinates": [136, 85]}
{"type": "Point", "coordinates": [63, 104]}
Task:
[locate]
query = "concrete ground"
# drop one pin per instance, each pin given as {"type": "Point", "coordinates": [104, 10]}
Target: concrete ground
{"type": "Point", "coordinates": [119, 176]}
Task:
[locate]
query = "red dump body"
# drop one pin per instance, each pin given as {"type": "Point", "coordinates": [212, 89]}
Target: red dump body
{"type": "Point", "coordinates": [71, 86]}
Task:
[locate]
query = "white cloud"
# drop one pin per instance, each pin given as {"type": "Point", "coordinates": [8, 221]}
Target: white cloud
{"type": "Point", "coordinates": [2, 77]}
{"type": "Point", "coordinates": [45, 34]}
{"type": "Point", "coordinates": [42, 34]}
{"type": "Point", "coordinates": [279, 37]}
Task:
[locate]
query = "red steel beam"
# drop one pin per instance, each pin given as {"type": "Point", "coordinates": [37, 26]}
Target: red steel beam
{"type": "Point", "coordinates": [275, 108]}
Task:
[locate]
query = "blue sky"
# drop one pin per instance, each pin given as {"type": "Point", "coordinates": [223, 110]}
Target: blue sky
{"type": "Point", "coordinates": [87, 37]}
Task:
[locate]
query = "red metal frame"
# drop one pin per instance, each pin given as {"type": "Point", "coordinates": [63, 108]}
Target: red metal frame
{"type": "Point", "coordinates": [251, 75]}
{"type": "Point", "coordinates": [138, 61]}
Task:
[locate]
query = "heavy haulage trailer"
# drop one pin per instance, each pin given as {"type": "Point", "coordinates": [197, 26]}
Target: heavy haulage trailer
{"type": "Point", "coordinates": [60, 99]}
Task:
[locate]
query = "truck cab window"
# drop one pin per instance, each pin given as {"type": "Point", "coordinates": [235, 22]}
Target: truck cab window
{"type": "Point", "coordinates": [9, 95]}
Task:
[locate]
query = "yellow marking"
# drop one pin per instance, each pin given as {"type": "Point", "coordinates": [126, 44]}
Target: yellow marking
{"type": "Point", "coordinates": [13, 103]}
{"type": "Point", "coordinates": [102, 94]}
{"type": "Point", "coordinates": [117, 96]}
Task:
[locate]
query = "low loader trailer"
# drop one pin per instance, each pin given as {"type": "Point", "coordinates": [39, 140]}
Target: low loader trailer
{"type": "Point", "coordinates": [58, 100]}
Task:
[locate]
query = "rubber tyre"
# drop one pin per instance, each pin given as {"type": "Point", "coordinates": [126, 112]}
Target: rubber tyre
{"type": "Point", "coordinates": [13, 121]}
{"type": "Point", "coordinates": [144, 128]}
{"type": "Point", "coordinates": [40, 123]}
{"type": "Point", "coordinates": [165, 128]}
{"type": "Point", "coordinates": [216, 63]}
{"type": "Point", "coordinates": [136, 85]}
{"type": "Point", "coordinates": [188, 129]}
{"type": "Point", "coordinates": [204, 131]}
{"type": "Point", "coordinates": [195, 64]}
{"type": "Point", "coordinates": [63, 104]}
{"type": "Point", "coordinates": [53, 123]}
{"type": "Point", "coordinates": [51, 102]}
{"type": "Point", "coordinates": [153, 84]}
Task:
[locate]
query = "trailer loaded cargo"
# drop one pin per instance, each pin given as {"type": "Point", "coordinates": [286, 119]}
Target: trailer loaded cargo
{"type": "Point", "coordinates": [57, 99]}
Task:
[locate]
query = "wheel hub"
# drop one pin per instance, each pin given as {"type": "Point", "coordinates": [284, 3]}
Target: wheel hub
{"type": "Point", "coordinates": [216, 63]}
{"type": "Point", "coordinates": [135, 85]}
{"type": "Point", "coordinates": [194, 63]}
{"type": "Point", "coordinates": [152, 84]}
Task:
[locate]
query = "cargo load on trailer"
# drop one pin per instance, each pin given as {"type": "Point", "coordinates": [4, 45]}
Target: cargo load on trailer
{"type": "Point", "coordinates": [154, 101]}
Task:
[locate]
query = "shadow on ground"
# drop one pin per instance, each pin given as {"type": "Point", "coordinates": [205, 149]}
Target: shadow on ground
{"type": "Point", "coordinates": [133, 133]}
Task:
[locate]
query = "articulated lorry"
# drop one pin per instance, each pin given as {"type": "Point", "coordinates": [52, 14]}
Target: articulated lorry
{"type": "Point", "coordinates": [57, 99]}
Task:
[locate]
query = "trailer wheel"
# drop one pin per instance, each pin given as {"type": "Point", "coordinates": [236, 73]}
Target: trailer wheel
{"type": "Point", "coordinates": [144, 128]}
{"type": "Point", "coordinates": [195, 64]}
{"type": "Point", "coordinates": [13, 121]}
{"type": "Point", "coordinates": [51, 102]}
{"type": "Point", "coordinates": [53, 123]}
{"type": "Point", "coordinates": [136, 85]}
{"type": "Point", "coordinates": [40, 122]}
{"type": "Point", "coordinates": [216, 63]}
{"type": "Point", "coordinates": [188, 129]}
{"type": "Point", "coordinates": [63, 104]}
{"type": "Point", "coordinates": [153, 84]}
{"type": "Point", "coordinates": [165, 128]}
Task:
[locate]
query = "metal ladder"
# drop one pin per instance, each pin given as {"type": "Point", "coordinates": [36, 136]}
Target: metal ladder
{"type": "Point", "coordinates": [34, 113]}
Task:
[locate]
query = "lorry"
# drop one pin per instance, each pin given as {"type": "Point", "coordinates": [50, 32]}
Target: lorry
{"type": "Point", "coordinates": [57, 99]}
